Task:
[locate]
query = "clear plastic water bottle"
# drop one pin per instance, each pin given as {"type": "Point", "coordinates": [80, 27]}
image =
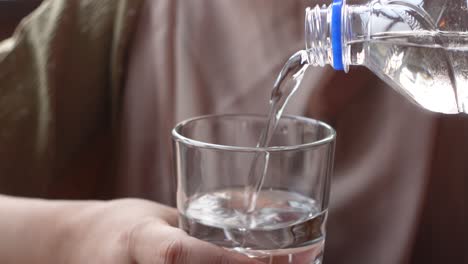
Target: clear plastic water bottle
{"type": "Point", "coordinates": [419, 47]}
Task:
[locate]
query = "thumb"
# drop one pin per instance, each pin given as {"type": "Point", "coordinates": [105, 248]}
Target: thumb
{"type": "Point", "coordinates": [155, 242]}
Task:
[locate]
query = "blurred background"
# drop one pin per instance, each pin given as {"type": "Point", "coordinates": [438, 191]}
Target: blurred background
{"type": "Point", "coordinates": [11, 13]}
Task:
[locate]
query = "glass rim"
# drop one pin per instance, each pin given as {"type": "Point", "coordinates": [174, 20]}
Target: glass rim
{"type": "Point", "coordinates": [200, 144]}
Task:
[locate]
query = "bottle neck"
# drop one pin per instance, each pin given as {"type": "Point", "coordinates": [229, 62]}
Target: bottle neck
{"type": "Point", "coordinates": [318, 35]}
{"type": "Point", "coordinates": [329, 33]}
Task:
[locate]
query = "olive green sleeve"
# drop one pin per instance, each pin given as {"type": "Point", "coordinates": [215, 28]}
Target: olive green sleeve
{"type": "Point", "coordinates": [60, 80]}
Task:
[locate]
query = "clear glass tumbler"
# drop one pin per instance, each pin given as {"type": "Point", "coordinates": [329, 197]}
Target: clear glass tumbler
{"type": "Point", "coordinates": [213, 158]}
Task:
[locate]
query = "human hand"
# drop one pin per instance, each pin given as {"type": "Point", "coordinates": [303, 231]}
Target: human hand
{"type": "Point", "coordinates": [132, 231]}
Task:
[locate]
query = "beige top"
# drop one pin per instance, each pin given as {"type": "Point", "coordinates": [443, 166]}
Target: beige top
{"type": "Point", "coordinates": [398, 193]}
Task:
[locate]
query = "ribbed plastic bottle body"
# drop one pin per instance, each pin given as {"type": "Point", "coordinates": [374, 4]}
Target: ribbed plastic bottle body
{"type": "Point", "coordinates": [420, 48]}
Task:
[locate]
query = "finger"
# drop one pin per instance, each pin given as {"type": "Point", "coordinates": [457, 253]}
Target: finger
{"type": "Point", "coordinates": [149, 209]}
{"type": "Point", "coordinates": [156, 243]}
{"type": "Point", "coordinates": [168, 214]}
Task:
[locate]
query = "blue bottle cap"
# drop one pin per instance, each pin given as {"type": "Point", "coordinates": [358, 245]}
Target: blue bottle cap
{"type": "Point", "coordinates": [336, 43]}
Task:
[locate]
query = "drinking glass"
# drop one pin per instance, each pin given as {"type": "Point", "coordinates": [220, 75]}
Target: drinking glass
{"type": "Point", "coordinates": [213, 159]}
